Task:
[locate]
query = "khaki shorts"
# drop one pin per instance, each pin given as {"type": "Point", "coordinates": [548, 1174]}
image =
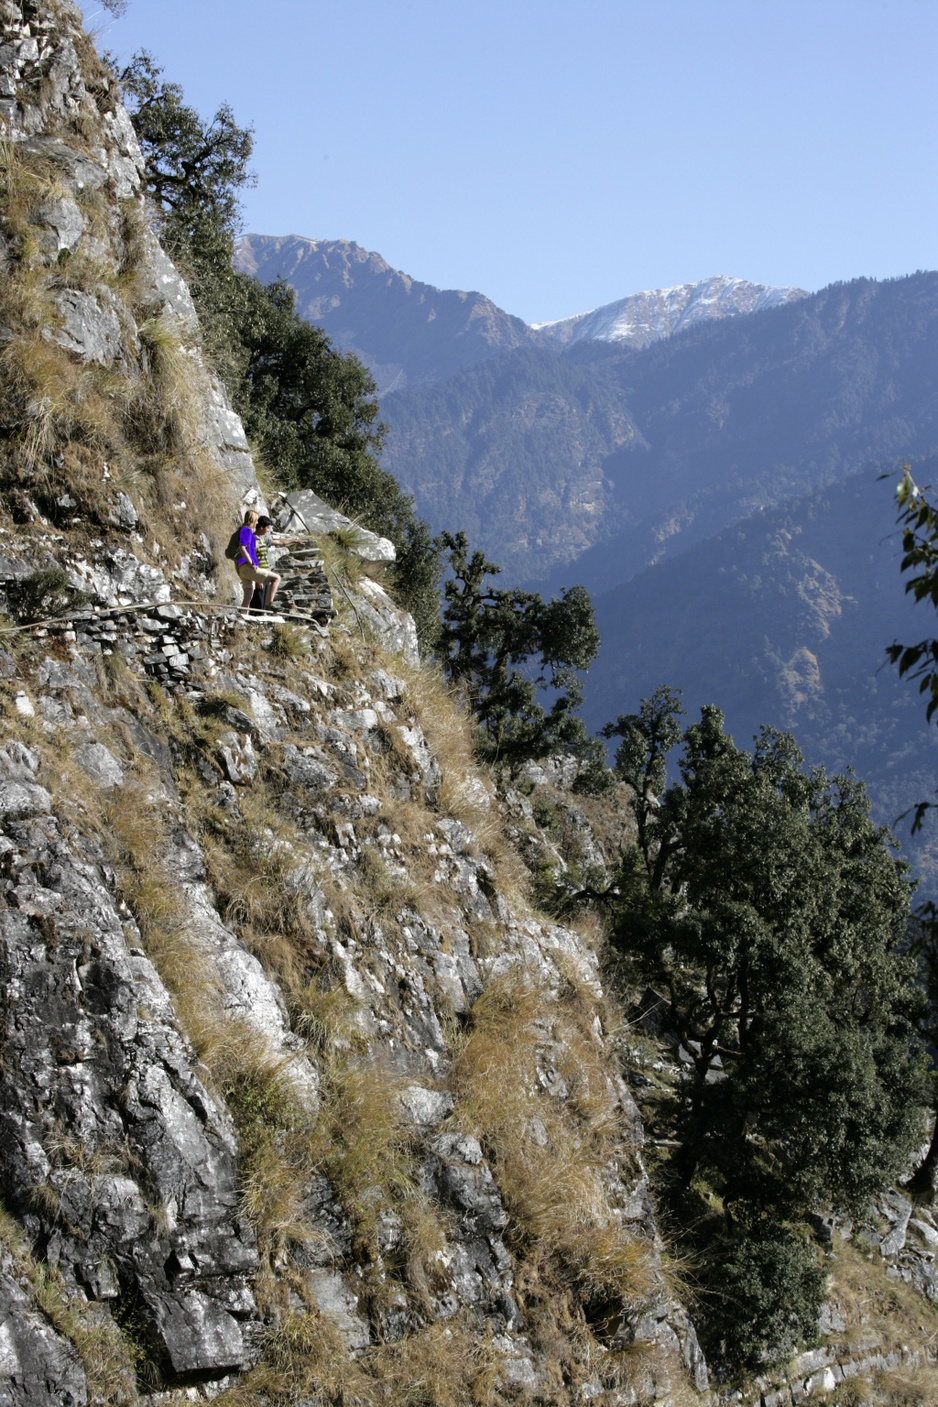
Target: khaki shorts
{"type": "Point", "coordinates": [248, 572]}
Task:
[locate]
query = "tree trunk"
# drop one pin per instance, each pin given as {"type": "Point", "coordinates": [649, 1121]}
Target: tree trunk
{"type": "Point", "coordinates": [925, 1177]}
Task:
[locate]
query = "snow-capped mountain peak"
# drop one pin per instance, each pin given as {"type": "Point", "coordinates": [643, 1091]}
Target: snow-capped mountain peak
{"type": "Point", "coordinates": [642, 318]}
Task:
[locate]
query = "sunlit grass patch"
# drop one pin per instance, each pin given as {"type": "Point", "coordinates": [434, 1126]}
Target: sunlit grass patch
{"type": "Point", "coordinates": [551, 1154]}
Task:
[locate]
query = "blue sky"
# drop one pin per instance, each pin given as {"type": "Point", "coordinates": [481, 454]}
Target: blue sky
{"type": "Point", "coordinates": [559, 155]}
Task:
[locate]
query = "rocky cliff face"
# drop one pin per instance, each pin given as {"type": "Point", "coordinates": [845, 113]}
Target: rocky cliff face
{"type": "Point", "coordinates": [302, 1100]}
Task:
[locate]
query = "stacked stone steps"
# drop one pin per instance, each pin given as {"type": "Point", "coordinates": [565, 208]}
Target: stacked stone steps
{"type": "Point", "coordinates": [304, 588]}
{"type": "Point", "coordinates": [166, 638]}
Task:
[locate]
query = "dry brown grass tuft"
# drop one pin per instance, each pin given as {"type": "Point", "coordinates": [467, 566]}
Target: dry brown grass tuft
{"type": "Point", "coordinates": [897, 1387]}
{"type": "Point", "coordinates": [326, 1016]}
{"type": "Point", "coordinates": [881, 1312]}
{"type": "Point", "coordinates": [275, 1129]}
{"type": "Point", "coordinates": [276, 1134]}
{"type": "Point", "coordinates": [289, 642]}
{"type": "Point", "coordinates": [448, 731]}
{"type": "Point", "coordinates": [133, 249]}
{"type": "Point", "coordinates": [465, 793]}
{"type": "Point", "coordinates": [381, 891]}
{"type": "Point", "coordinates": [27, 181]}
{"type": "Point", "coordinates": [306, 1360]}
{"type": "Point", "coordinates": [445, 1365]}
{"type": "Point", "coordinates": [340, 561]}
{"type": "Point", "coordinates": [50, 403]}
{"type": "Point", "coordinates": [262, 889]}
{"type": "Point", "coordinates": [133, 826]}
{"type": "Point", "coordinates": [551, 1155]}
{"type": "Point", "coordinates": [169, 370]}
{"type": "Point", "coordinates": [64, 419]}
{"type": "Point", "coordinates": [365, 1147]}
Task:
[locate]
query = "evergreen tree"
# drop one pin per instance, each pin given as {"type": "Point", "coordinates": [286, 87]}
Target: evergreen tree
{"type": "Point", "coordinates": [195, 171]}
{"type": "Point", "coordinates": [504, 647]}
{"type": "Point", "coordinates": [918, 519]}
{"type": "Point", "coordinates": [773, 913]}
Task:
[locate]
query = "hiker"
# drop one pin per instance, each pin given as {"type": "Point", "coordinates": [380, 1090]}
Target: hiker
{"type": "Point", "coordinates": [248, 568]}
{"type": "Point", "coordinates": [262, 545]}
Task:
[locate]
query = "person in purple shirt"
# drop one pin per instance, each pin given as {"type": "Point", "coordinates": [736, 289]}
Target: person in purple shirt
{"type": "Point", "coordinates": [249, 572]}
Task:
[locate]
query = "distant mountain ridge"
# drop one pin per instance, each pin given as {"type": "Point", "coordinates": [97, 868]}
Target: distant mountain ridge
{"type": "Point", "coordinates": [591, 463]}
{"type": "Point", "coordinates": [642, 318]}
{"type": "Point", "coordinates": [716, 489]}
{"type": "Point", "coordinates": [783, 619]}
{"type": "Point", "coordinates": [406, 332]}
{"type": "Point", "coordinates": [412, 334]}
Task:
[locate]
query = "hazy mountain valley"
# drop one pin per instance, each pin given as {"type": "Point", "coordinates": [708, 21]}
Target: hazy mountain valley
{"type": "Point", "coordinates": [339, 1067]}
{"type": "Point", "coordinates": [596, 464]}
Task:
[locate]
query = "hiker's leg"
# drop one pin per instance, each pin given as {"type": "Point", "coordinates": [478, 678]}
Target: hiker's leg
{"type": "Point", "coordinates": [247, 589]}
{"type": "Point", "coordinates": [273, 581]}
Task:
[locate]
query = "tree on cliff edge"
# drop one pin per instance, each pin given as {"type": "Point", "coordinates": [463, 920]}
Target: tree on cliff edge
{"type": "Point", "coordinates": [773, 913]}
{"type": "Point", "coordinates": [309, 410]}
{"type": "Point", "coordinates": [505, 647]}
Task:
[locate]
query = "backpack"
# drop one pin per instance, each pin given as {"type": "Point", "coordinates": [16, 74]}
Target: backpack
{"type": "Point", "coordinates": [233, 550]}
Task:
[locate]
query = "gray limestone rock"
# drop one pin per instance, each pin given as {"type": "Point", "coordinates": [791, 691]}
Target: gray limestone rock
{"type": "Point", "coordinates": [306, 770]}
{"type": "Point", "coordinates": [237, 754]}
{"type": "Point", "coordinates": [465, 1179]}
{"type": "Point", "coordinates": [247, 995]}
{"type": "Point", "coordinates": [897, 1210]}
{"type": "Point", "coordinates": [103, 1113]}
{"type": "Point", "coordinates": [226, 439]}
{"type": "Point", "coordinates": [89, 327]}
{"type": "Point", "coordinates": [197, 1333]}
{"type": "Point", "coordinates": [21, 799]}
{"type": "Point", "coordinates": [38, 1368]}
{"type": "Point", "coordinates": [119, 578]}
{"type": "Point", "coordinates": [425, 764]}
{"type": "Point", "coordinates": [305, 512]}
{"type": "Point", "coordinates": [394, 628]}
{"type": "Point", "coordinates": [123, 514]}
{"type": "Point", "coordinates": [668, 1325]}
{"type": "Point", "coordinates": [164, 291]}
{"type": "Point", "coordinates": [74, 168]}
{"type": "Point", "coordinates": [425, 1107]}
{"type": "Point", "coordinates": [336, 1303]}
{"type": "Point", "coordinates": [122, 152]}
{"type": "Point", "coordinates": [61, 226]}
{"type": "Point", "coordinates": [100, 764]}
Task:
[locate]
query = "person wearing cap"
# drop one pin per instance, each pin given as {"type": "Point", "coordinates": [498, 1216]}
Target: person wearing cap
{"type": "Point", "coordinates": [262, 600]}
{"type": "Point", "coordinates": [248, 566]}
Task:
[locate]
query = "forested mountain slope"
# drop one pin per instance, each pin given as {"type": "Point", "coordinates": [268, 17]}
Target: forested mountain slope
{"type": "Point", "coordinates": [784, 619]}
{"type": "Point", "coordinates": [410, 333]}
{"type": "Point", "coordinates": [634, 455]}
{"type": "Point", "coordinates": [594, 464]}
